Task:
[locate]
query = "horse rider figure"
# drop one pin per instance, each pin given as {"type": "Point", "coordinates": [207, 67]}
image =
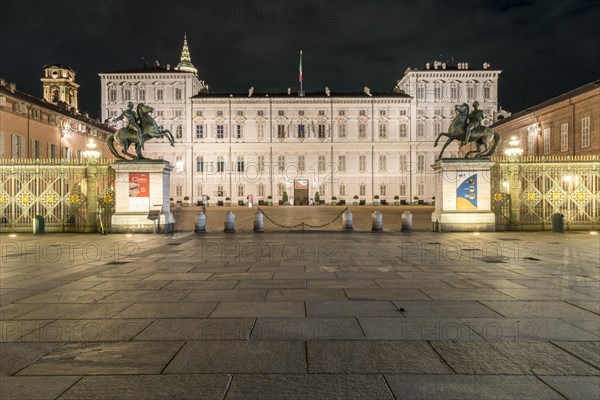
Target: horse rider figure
{"type": "Point", "coordinates": [475, 118]}
{"type": "Point", "coordinates": [132, 122]}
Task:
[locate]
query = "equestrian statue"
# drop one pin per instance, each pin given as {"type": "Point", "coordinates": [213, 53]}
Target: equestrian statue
{"type": "Point", "coordinates": [467, 127]}
{"type": "Point", "coordinates": [139, 128]}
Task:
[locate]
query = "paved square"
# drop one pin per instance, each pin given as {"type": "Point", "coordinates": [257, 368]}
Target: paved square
{"type": "Point", "coordinates": [319, 315]}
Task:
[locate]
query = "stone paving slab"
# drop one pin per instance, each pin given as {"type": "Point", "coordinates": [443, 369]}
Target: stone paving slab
{"type": "Point", "coordinates": [211, 357]}
{"type": "Point", "coordinates": [513, 358]}
{"type": "Point", "coordinates": [308, 387]}
{"type": "Point", "coordinates": [386, 294]}
{"type": "Point", "coordinates": [469, 387]}
{"type": "Point", "coordinates": [16, 356]}
{"type": "Point", "coordinates": [198, 329]}
{"type": "Point", "coordinates": [68, 296]}
{"type": "Point", "coordinates": [11, 331]}
{"type": "Point", "coordinates": [90, 330]}
{"type": "Point", "coordinates": [189, 276]}
{"type": "Point", "coordinates": [149, 387]}
{"type": "Point", "coordinates": [241, 295]}
{"type": "Point", "coordinates": [586, 351]}
{"type": "Point", "coordinates": [356, 357]}
{"type": "Point", "coordinates": [575, 387]}
{"type": "Point", "coordinates": [106, 358]}
{"type": "Point", "coordinates": [306, 295]}
{"type": "Point", "coordinates": [272, 284]}
{"type": "Point", "coordinates": [15, 310]}
{"type": "Point", "coordinates": [204, 285]}
{"type": "Point", "coordinates": [526, 329]}
{"type": "Point", "coordinates": [34, 388]}
{"type": "Point", "coordinates": [550, 309]}
{"type": "Point", "coordinates": [76, 311]}
{"type": "Point", "coordinates": [146, 296]}
{"type": "Point", "coordinates": [352, 309]}
{"type": "Point", "coordinates": [445, 309]}
{"type": "Point", "coordinates": [306, 329]}
{"type": "Point", "coordinates": [167, 310]}
{"type": "Point", "coordinates": [259, 309]}
{"type": "Point", "coordinates": [417, 329]}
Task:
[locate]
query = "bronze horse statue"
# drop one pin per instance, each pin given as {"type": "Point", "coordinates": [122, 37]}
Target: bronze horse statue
{"type": "Point", "coordinates": [482, 135]}
{"type": "Point", "coordinates": [140, 128]}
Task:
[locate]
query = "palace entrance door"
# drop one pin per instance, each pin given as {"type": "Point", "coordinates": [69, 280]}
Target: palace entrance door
{"type": "Point", "coordinates": [301, 192]}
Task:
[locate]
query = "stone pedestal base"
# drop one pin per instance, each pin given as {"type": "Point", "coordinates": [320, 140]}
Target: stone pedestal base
{"type": "Point", "coordinates": [463, 196]}
{"type": "Point", "coordinates": [141, 186]}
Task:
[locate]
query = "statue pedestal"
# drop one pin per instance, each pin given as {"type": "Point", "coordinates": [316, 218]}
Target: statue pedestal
{"type": "Point", "coordinates": [141, 186]}
{"type": "Point", "coordinates": [463, 196]}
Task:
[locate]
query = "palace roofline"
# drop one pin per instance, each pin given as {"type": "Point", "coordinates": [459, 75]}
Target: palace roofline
{"type": "Point", "coordinates": [279, 95]}
{"type": "Point", "coordinates": [148, 70]}
{"type": "Point", "coordinates": [52, 107]}
{"type": "Point", "coordinates": [562, 97]}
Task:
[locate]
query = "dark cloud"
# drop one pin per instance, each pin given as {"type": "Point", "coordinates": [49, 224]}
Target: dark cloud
{"type": "Point", "coordinates": [544, 47]}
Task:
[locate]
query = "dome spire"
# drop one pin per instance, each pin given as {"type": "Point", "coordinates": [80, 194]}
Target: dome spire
{"type": "Point", "coordinates": [186, 61]}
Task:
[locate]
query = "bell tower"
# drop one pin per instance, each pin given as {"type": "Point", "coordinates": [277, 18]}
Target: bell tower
{"type": "Point", "coordinates": [59, 86]}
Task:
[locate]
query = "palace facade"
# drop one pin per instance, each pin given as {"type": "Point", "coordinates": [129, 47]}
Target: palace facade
{"type": "Point", "coordinates": [339, 144]}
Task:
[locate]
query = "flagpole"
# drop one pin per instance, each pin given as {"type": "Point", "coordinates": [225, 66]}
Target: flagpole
{"type": "Point", "coordinates": [301, 91]}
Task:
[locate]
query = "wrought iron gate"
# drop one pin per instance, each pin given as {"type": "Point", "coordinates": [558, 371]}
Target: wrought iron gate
{"type": "Point", "coordinates": [533, 189]}
{"type": "Point", "coordinates": [67, 194]}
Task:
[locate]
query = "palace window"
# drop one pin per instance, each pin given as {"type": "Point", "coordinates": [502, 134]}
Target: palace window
{"type": "Point", "coordinates": [421, 93]}
{"type": "Point", "coordinates": [300, 112]}
{"type": "Point", "coordinates": [403, 130]}
{"type": "Point", "coordinates": [219, 113]}
{"type": "Point", "coordinates": [112, 94]}
{"type": "Point", "coordinates": [362, 163]}
{"type": "Point", "coordinates": [198, 190]}
{"type": "Point", "coordinates": [564, 137]}
{"type": "Point", "coordinates": [531, 144]}
{"type": "Point", "coordinates": [220, 131]}
{"type": "Point", "coordinates": [382, 189]}
{"type": "Point", "coordinates": [321, 112]}
{"type": "Point", "coordinates": [421, 162]}
{"type": "Point", "coordinates": [261, 163]}
{"type": "Point", "coordinates": [177, 94]}
{"type": "Point", "coordinates": [382, 163]}
{"type": "Point", "coordinates": [362, 113]}
{"type": "Point", "coordinates": [240, 113]}
{"type": "Point", "coordinates": [321, 163]}
{"type": "Point", "coordinates": [420, 189]}
{"type": "Point", "coordinates": [362, 131]}
{"type": "Point", "coordinates": [199, 131]}
{"type": "Point", "coordinates": [280, 189]}
{"type": "Point", "coordinates": [177, 113]}
{"type": "Point", "coordinates": [341, 113]}
{"type": "Point", "coordinates": [281, 163]}
{"type": "Point", "coordinates": [178, 190]}
{"type": "Point", "coordinates": [321, 131]}
{"type": "Point", "coordinates": [239, 131]}
{"type": "Point", "coordinates": [18, 147]}
{"type": "Point", "coordinates": [585, 132]}
{"type": "Point", "coordinates": [281, 113]}
{"type": "Point", "coordinates": [36, 149]}
{"type": "Point", "coordinates": [342, 189]}
{"type": "Point", "coordinates": [301, 132]}
{"type": "Point", "coordinates": [547, 141]}
{"type": "Point", "coordinates": [220, 164]}
{"type": "Point", "coordinates": [179, 164]}
{"type": "Point", "coordinates": [301, 163]}
{"type": "Point", "coordinates": [437, 128]}
{"type": "Point", "coordinates": [420, 130]}
{"type": "Point", "coordinates": [280, 131]}
{"type": "Point", "coordinates": [453, 93]}
{"type": "Point", "coordinates": [260, 113]}
{"type": "Point", "coordinates": [159, 94]}
{"type": "Point", "coordinates": [261, 189]}
{"type": "Point", "coordinates": [126, 94]}
{"type": "Point", "coordinates": [260, 132]}
{"type": "Point", "coordinates": [240, 164]}
{"type": "Point", "coordinates": [471, 93]}
{"type": "Point", "coordinates": [142, 94]}
{"type": "Point", "coordinates": [402, 162]}
{"type": "Point", "coordinates": [179, 132]}
{"type": "Point", "coordinates": [402, 189]}
{"type": "Point", "coordinates": [342, 130]}
{"type": "Point", "coordinates": [382, 131]}
{"type": "Point", "coordinates": [322, 188]}
{"type": "Point", "coordinates": [240, 190]}
{"type": "Point", "coordinates": [362, 190]}
{"type": "Point", "coordinates": [486, 93]}
{"type": "Point", "coordinates": [220, 191]}
{"type": "Point", "coordinates": [199, 164]}
{"type": "Point", "coordinates": [198, 113]}
{"type": "Point", "coordinates": [342, 163]}
{"type": "Point", "coordinates": [52, 151]}
{"type": "Point", "coordinates": [437, 91]}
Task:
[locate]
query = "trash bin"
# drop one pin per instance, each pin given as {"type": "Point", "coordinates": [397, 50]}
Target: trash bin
{"type": "Point", "coordinates": [558, 223]}
{"type": "Point", "coordinates": [39, 226]}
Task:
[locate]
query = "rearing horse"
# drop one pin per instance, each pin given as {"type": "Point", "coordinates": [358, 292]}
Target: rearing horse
{"type": "Point", "coordinates": [482, 136]}
{"type": "Point", "coordinates": [149, 125]}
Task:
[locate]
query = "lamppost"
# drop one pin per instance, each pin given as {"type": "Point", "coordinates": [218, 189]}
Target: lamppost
{"type": "Point", "coordinates": [513, 186]}
{"type": "Point", "coordinates": [91, 156]}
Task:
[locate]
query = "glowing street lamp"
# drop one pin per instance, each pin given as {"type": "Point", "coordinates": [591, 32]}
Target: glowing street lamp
{"type": "Point", "coordinates": [513, 151]}
{"type": "Point", "coordinates": [91, 153]}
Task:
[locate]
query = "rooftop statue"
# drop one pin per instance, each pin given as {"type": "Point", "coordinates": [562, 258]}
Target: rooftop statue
{"type": "Point", "coordinates": [140, 127]}
{"type": "Point", "coordinates": [467, 128]}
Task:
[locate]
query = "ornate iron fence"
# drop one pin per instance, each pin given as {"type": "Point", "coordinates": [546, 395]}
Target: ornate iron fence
{"type": "Point", "coordinates": [67, 193]}
{"type": "Point", "coordinates": [526, 194]}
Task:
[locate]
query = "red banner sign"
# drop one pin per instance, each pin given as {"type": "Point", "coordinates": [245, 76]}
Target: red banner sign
{"type": "Point", "coordinates": [139, 185]}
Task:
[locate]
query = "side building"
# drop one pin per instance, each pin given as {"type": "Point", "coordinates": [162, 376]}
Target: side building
{"type": "Point", "coordinates": [362, 143]}
{"type": "Point", "coordinates": [48, 128]}
{"type": "Point", "coordinates": [566, 125]}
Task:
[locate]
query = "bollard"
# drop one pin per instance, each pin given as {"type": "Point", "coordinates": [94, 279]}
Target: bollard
{"type": "Point", "coordinates": [347, 220]}
{"type": "Point", "coordinates": [258, 222]}
{"type": "Point", "coordinates": [200, 223]}
{"type": "Point", "coordinates": [229, 222]}
{"type": "Point", "coordinates": [377, 221]}
{"type": "Point", "coordinates": [406, 221]}
{"type": "Point", "coordinates": [39, 225]}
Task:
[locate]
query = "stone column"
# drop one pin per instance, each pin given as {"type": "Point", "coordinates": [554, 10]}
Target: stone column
{"type": "Point", "coordinates": [515, 197]}
{"type": "Point", "coordinates": [92, 198]}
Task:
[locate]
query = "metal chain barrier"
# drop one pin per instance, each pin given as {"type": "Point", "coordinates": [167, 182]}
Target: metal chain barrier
{"type": "Point", "coordinates": [302, 224]}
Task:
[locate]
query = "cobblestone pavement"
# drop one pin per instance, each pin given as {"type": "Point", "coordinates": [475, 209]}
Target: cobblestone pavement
{"type": "Point", "coordinates": [313, 315]}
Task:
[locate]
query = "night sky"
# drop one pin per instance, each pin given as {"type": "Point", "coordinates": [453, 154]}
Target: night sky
{"type": "Point", "coordinates": [544, 47]}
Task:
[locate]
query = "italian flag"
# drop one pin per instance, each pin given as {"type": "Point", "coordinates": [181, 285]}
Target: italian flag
{"type": "Point", "coordinates": [300, 68]}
